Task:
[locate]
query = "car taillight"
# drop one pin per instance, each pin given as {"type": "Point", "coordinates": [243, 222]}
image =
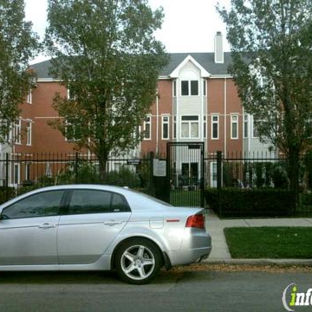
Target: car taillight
{"type": "Point", "coordinates": [196, 221]}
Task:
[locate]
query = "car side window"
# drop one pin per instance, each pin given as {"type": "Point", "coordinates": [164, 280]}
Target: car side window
{"type": "Point", "coordinates": [96, 201]}
{"type": "Point", "coordinates": [37, 205]}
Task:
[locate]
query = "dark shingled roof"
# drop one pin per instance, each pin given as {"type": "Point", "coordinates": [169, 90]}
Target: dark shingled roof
{"type": "Point", "coordinates": [206, 60]}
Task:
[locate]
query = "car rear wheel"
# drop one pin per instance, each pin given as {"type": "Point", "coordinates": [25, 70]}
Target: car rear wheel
{"type": "Point", "coordinates": [138, 261]}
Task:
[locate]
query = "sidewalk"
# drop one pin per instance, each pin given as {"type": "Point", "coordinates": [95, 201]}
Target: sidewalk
{"type": "Point", "coordinates": [220, 252]}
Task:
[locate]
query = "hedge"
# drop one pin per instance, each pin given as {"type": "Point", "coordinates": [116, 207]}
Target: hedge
{"type": "Point", "coordinates": [235, 202]}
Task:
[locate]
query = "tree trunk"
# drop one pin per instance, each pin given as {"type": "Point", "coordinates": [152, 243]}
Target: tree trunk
{"type": "Point", "coordinates": [293, 164]}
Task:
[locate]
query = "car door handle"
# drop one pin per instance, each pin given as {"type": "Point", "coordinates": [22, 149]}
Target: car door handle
{"type": "Point", "coordinates": [112, 222]}
{"type": "Point", "coordinates": [46, 226]}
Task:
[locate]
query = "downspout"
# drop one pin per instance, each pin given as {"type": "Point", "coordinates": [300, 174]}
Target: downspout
{"type": "Point", "coordinates": [157, 125]}
{"type": "Point", "coordinates": [225, 118]}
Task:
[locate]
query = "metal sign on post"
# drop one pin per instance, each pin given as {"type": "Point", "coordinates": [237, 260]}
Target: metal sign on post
{"type": "Point", "coordinates": [159, 168]}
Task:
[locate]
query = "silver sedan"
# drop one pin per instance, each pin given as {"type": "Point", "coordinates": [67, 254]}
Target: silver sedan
{"type": "Point", "coordinates": [97, 227]}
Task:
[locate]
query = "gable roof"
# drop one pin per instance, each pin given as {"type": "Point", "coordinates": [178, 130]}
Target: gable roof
{"type": "Point", "coordinates": [205, 60]}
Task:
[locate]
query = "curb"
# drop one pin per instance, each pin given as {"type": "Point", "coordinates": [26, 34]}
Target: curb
{"type": "Point", "coordinates": [307, 262]}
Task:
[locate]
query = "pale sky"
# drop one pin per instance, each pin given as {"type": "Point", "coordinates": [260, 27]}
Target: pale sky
{"type": "Point", "coordinates": [189, 25]}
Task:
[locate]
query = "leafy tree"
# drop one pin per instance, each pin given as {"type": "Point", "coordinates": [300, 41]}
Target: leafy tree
{"type": "Point", "coordinates": [106, 55]}
{"type": "Point", "coordinates": [18, 44]}
{"type": "Point", "coordinates": [272, 67]}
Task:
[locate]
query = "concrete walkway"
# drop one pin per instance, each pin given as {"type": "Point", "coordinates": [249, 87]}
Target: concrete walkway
{"type": "Point", "coordinates": [220, 252]}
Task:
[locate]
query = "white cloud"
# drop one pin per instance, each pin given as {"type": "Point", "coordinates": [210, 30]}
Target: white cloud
{"type": "Point", "coordinates": [189, 26]}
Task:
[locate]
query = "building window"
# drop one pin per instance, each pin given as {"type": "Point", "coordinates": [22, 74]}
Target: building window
{"type": "Point", "coordinates": [189, 127]}
{"type": "Point", "coordinates": [255, 131]}
{"type": "Point", "coordinates": [17, 131]}
{"type": "Point", "coordinates": [165, 127]}
{"type": "Point", "coordinates": [189, 87]}
{"type": "Point", "coordinates": [16, 175]}
{"type": "Point", "coordinates": [29, 97]}
{"type": "Point", "coordinates": [184, 87]}
{"type": "Point", "coordinates": [174, 127]}
{"type": "Point", "coordinates": [72, 132]}
{"type": "Point", "coordinates": [246, 132]}
{"type": "Point", "coordinates": [174, 88]}
{"type": "Point", "coordinates": [205, 127]}
{"type": "Point", "coordinates": [147, 128]}
{"type": "Point", "coordinates": [204, 87]}
{"type": "Point", "coordinates": [215, 127]}
{"type": "Point", "coordinates": [234, 126]}
{"type": "Point", "coordinates": [29, 133]}
{"type": "Point", "coordinates": [27, 171]}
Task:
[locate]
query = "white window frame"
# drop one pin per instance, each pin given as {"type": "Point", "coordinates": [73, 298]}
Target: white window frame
{"type": "Point", "coordinates": [165, 124]}
{"type": "Point", "coordinates": [189, 121]}
{"type": "Point", "coordinates": [215, 121]}
{"type": "Point", "coordinates": [29, 132]}
{"type": "Point", "coordinates": [204, 88]}
{"type": "Point", "coordinates": [174, 88]}
{"type": "Point", "coordinates": [254, 129]}
{"type": "Point", "coordinates": [189, 93]}
{"type": "Point", "coordinates": [18, 131]}
{"type": "Point", "coordinates": [16, 174]}
{"type": "Point", "coordinates": [174, 122]}
{"type": "Point", "coordinates": [246, 126]}
{"type": "Point", "coordinates": [147, 127]}
{"type": "Point", "coordinates": [205, 127]}
{"type": "Point", "coordinates": [29, 97]}
{"type": "Point", "coordinates": [234, 127]}
{"type": "Point", "coordinates": [27, 171]}
{"type": "Point", "coordinates": [74, 138]}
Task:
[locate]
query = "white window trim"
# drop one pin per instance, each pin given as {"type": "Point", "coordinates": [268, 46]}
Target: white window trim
{"type": "Point", "coordinates": [16, 174]}
{"type": "Point", "coordinates": [174, 88]}
{"type": "Point", "coordinates": [29, 132]}
{"type": "Point", "coordinates": [246, 127]}
{"type": "Point", "coordinates": [163, 123]}
{"type": "Point", "coordinates": [148, 122]}
{"type": "Point", "coordinates": [18, 132]}
{"type": "Point", "coordinates": [29, 97]}
{"type": "Point", "coordinates": [234, 121]}
{"type": "Point", "coordinates": [217, 122]}
{"type": "Point", "coordinates": [67, 124]}
{"type": "Point", "coordinates": [174, 129]}
{"type": "Point", "coordinates": [189, 122]}
{"type": "Point", "coordinates": [190, 88]}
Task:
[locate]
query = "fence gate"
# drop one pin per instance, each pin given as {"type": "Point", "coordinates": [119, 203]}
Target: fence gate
{"type": "Point", "coordinates": [185, 171]}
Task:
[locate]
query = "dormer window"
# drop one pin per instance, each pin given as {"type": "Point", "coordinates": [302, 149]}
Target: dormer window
{"type": "Point", "coordinates": [189, 87]}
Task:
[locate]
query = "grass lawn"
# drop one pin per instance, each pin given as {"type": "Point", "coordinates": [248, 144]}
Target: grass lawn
{"type": "Point", "coordinates": [270, 242]}
{"type": "Point", "coordinates": [185, 198]}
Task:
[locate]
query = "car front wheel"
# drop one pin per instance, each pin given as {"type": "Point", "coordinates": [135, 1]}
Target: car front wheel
{"type": "Point", "coordinates": [138, 261]}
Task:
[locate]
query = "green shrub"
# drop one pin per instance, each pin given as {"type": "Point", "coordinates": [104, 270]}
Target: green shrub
{"type": "Point", "coordinates": [235, 202]}
{"type": "Point", "coordinates": [123, 177]}
{"type": "Point", "coordinates": [6, 193]}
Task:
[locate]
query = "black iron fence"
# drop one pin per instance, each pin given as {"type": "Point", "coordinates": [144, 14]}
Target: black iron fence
{"type": "Point", "coordinates": [257, 185]}
{"type": "Point", "coordinates": [24, 172]}
{"type": "Point", "coordinates": [20, 173]}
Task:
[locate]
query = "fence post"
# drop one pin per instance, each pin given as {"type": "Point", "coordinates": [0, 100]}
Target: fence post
{"type": "Point", "coordinates": [76, 168]}
{"type": "Point", "coordinates": [7, 176]}
{"type": "Point", "coordinates": [151, 178]}
{"type": "Point", "coordinates": [219, 180]}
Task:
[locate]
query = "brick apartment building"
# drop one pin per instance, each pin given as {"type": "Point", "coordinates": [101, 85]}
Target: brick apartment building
{"type": "Point", "coordinates": [197, 102]}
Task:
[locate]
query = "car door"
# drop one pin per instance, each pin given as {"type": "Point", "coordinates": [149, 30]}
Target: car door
{"type": "Point", "coordinates": [93, 220]}
{"type": "Point", "coordinates": [28, 230]}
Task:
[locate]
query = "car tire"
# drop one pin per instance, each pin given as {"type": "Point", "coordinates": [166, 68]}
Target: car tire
{"type": "Point", "coordinates": [138, 261]}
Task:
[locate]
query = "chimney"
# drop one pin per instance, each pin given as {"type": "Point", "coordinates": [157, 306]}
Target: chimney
{"type": "Point", "coordinates": [219, 55]}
